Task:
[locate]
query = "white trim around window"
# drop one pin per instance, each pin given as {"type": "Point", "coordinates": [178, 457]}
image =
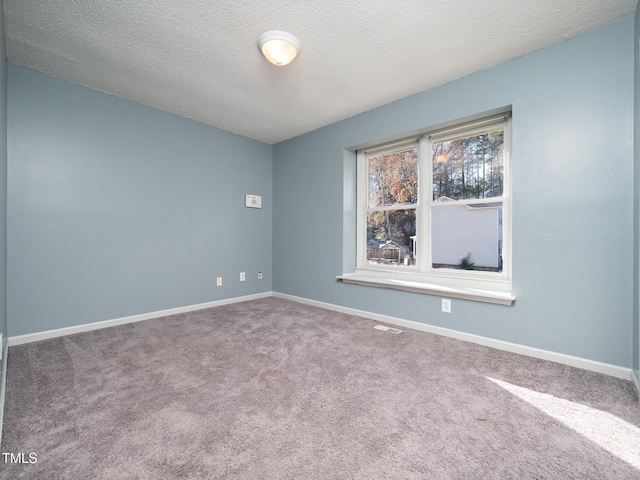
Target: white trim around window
{"type": "Point", "coordinates": [414, 268]}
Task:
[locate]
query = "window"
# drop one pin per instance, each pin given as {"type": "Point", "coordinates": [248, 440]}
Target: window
{"type": "Point", "coordinates": [435, 210]}
{"type": "Point", "coordinates": [392, 203]}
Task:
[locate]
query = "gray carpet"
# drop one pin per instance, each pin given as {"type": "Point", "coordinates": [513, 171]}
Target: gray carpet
{"type": "Point", "coordinates": [272, 389]}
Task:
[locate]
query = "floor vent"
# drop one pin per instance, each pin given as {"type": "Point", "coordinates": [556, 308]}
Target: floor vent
{"type": "Point", "coordinates": [395, 331]}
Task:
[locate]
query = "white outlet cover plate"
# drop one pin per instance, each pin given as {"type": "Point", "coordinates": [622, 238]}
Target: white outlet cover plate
{"type": "Point", "coordinates": [446, 305]}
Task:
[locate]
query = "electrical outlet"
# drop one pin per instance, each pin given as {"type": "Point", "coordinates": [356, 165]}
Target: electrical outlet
{"type": "Point", "coordinates": [219, 281]}
{"type": "Point", "coordinates": [242, 276]}
{"type": "Point", "coordinates": [259, 275]}
{"type": "Point", "coordinates": [446, 305]}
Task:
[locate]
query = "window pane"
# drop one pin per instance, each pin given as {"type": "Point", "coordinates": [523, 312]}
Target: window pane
{"type": "Point", "coordinates": [467, 237]}
{"type": "Point", "coordinates": [393, 178]}
{"type": "Point", "coordinates": [391, 237]}
{"type": "Point", "coordinates": [470, 167]}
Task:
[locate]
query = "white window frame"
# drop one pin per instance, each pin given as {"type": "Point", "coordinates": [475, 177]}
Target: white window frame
{"type": "Point", "coordinates": [494, 287]}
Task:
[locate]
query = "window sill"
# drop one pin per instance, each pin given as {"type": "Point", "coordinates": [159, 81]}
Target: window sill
{"type": "Point", "coordinates": [478, 295]}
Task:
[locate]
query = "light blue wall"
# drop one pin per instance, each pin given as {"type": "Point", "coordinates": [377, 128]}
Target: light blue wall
{"type": "Point", "coordinates": [116, 209]}
{"type": "Point", "coordinates": [3, 211]}
{"type": "Point", "coordinates": [636, 206]}
{"type": "Point", "coordinates": [572, 203]}
{"type": "Point", "coordinates": [3, 178]}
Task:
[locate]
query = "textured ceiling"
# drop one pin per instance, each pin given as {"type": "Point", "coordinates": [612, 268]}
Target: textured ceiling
{"type": "Point", "coordinates": [199, 58]}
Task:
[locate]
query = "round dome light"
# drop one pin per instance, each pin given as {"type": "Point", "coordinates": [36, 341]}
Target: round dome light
{"type": "Point", "coordinates": [280, 48]}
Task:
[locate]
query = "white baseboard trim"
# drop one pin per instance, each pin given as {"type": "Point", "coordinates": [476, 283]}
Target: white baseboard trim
{"type": "Point", "coordinates": [86, 327]}
{"type": "Point", "coordinates": [636, 382]}
{"type": "Point", "coordinates": [584, 363]}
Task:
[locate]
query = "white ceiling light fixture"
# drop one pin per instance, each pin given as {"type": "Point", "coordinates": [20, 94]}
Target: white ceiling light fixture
{"type": "Point", "coordinates": [280, 48]}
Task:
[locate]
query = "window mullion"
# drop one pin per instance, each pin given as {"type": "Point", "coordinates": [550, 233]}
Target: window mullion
{"type": "Point", "coordinates": [506, 204]}
{"type": "Point", "coordinates": [423, 219]}
{"type": "Point", "coordinates": [362, 200]}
